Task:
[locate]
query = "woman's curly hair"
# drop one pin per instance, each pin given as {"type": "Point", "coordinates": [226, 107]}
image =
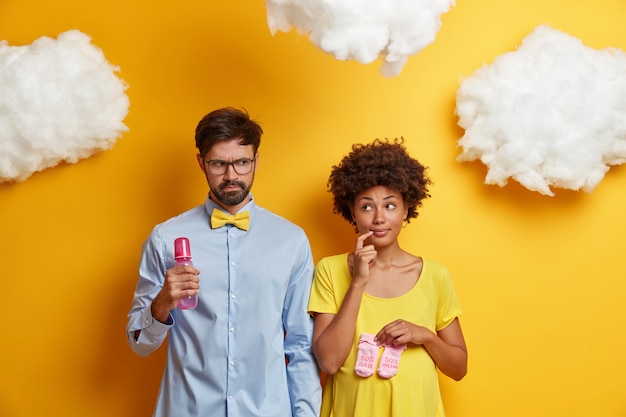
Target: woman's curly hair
{"type": "Point", "coordinates": [378, 163]}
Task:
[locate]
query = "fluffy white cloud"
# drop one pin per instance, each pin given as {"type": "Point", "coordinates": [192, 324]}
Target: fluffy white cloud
{"type": "Point", "coordinates": [550, 114]}
{"type": "Point", "coordinates": [362, 30]}
{"type": "Point", "coordinates": [60, 101]}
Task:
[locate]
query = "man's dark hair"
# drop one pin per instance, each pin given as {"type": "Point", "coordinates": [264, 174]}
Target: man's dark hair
{"type": "Point", "coordinates": [227, 124]}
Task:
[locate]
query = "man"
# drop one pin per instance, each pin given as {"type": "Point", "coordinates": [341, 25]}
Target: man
{"type": "Point", "coordinates": [246, 349]}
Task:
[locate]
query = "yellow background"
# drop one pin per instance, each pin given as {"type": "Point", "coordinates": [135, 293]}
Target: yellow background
{"type": "Point", "coordinates": [541, 279]}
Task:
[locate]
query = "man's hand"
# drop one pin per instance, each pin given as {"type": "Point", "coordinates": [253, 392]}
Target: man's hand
{"type": "Point", "coordinates": [180, 281]}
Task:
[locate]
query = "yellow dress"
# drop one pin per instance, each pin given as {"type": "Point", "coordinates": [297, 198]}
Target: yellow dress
{"type": "Point", "coordinates": [414, 390]}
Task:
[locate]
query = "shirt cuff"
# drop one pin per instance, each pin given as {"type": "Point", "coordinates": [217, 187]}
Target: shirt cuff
{"type": "Point", "coordinates": [152, 329]}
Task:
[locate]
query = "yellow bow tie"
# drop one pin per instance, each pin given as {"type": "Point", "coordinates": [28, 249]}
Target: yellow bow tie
{"type": "Point", "coordinates": [239, 220]}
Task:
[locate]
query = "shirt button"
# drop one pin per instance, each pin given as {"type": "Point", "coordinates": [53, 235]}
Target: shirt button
{"type": "Point", "coordinates": [233, 296]}
{"type": "Point", "coordinates": [232, 362]}
{"type": "Point", "coordinates": [230, 397]}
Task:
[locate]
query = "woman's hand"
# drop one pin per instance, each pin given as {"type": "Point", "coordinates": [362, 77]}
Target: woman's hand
{"type": "Point", "coordinates": [364, 257]}
{"type": "Point", "coordinates": [446, 347]}
{"type": "Point", "coordinates": [401, 331]}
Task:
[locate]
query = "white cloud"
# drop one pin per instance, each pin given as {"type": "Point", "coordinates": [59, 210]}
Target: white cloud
{"type": "Point", "coordinates": [550, 114]}
{"type": "Point", "coordinates": [362, 30]}
{"type": "Point", "coordinates": [60, 101]}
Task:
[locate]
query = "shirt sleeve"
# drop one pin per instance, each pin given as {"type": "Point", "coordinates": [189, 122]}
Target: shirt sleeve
{"type": "Point", "coordinates": [151, 272]}
{"type": "Point", "coordinates": [323, 298]}
{"type": "Point", "coordinates": [449, 306]}
{"type": "Point", "coordinates": [303, 376]}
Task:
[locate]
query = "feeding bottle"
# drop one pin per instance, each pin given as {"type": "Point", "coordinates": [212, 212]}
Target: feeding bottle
{"type": "Point", "coordinates": [182, 256]}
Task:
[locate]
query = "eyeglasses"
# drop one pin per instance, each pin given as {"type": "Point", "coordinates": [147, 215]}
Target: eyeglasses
{"type": "Point", "coordinates": [241, 166]}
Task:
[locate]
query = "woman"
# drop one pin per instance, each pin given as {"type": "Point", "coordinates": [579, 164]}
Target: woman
{"type": "Point", "coordinates": [385, 320]}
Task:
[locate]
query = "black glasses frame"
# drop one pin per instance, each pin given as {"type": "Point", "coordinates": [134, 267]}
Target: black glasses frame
{"type": "Point", "coordinates": [241, 166]}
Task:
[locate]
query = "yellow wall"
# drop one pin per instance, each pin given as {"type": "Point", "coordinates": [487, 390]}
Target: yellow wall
{"type": "Point", "coordinates": [541, 279]}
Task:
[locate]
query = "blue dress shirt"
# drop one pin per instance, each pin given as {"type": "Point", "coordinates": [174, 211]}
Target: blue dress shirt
{"type": "Point", "coordinates": [246, 349]}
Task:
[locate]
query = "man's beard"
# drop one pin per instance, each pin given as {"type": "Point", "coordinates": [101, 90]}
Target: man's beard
{"type": "Point", "coordinates": [231, 198]}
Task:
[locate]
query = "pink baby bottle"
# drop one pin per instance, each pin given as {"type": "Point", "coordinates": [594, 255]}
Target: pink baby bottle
{"type": "Point", "coordinates": [182, 256]}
